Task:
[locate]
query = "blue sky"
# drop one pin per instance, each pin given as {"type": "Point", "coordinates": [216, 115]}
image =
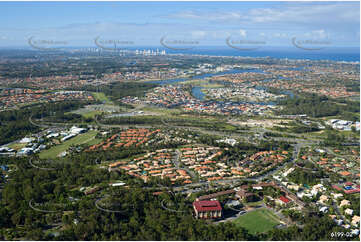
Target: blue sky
{"type": "Point", "coordinates": [204, 23]}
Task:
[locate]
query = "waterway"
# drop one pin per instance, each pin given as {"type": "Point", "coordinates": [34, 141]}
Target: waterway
{"type": "Point", "coordinates": [197, 90]}
{"type": "Point", "coordinates": [198, 93]}
{"type": "Point", "coordinates": [203, 76]}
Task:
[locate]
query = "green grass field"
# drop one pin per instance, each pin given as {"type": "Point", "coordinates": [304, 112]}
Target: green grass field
{"type": "Point", "coordinates": [253, 204]}
{"type": "Point", "coordinates": [86, 138]}
{"type": "Point", "coordinates": [101, 97]}
{"type": "Point", "coordinates": [258, 221]}
{"type": "Point", "coordinates": [93, 141]}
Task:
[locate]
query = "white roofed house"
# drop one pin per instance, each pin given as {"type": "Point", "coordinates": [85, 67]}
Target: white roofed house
{"type": "Point", "coordinates": [337, 195]}
{"type": "Point", "coordinates": [349, 211]}
{"type": "Point", "coordinates": [300, 194]}
{"type": "Point", "coordinates": [355, 220]}
{"type": "Point", "coordinates": [314, 192]}
{"type": "Point", "coordinates": [323, 199]}
{"type": "Point", "coordinates": [345, 203]}
{"type": "Point", "coordinates": [319, 187]}
{"type": "Point", "coordinates": [293, 187]}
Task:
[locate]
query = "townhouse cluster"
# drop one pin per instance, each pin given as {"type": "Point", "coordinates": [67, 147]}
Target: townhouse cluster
{"type": "Point", "coordinates": [200, 159]}
{"type": "Point", "coordinates": [262, 161]}
{"type": "Point", "coordinates": [210, 164]}
{"type": "Point", "coordinates": [127, 138]}
{"type": "Point", "coordinates": [159, 163]}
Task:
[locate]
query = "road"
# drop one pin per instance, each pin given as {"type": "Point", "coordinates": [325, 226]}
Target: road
{"type": "Point", "coordinates": [298, 144]}
{"type": "Point", "coordinates": [177, 162]}
{"type": "Point", "coordinates": [237, 134]}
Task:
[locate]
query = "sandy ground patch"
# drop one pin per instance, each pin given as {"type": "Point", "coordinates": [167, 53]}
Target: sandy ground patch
{"type": "Point", "coordinates": [260, 123]}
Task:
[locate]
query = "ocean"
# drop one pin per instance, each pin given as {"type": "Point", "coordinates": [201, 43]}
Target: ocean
{"type": "Point", "coordinates": [348, 54]}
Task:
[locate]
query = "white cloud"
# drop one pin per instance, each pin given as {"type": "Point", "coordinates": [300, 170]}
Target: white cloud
{"type": "Point", "coordinates": [333, 15]}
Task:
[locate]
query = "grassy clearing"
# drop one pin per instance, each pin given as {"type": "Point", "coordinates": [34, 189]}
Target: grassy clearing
{"type": "Point", "coordinates": [91, 114]}
{"type": "Point", "coordinates": [101, 97]}
{"type": "Point", "coordinates": [53, 152]}
{"type": "Point", "coordinates": [17, 146]}
{"type": "Point", "coordinates": [258, 221]}
{"type": "Point", "coordinates": [162, 111]}
{"type": "Point", "coordinates": [93, 141]}
{"type": "Point", "coordinates": [253, 204]}
{"type": "Point", "coordinates": [86, 114]}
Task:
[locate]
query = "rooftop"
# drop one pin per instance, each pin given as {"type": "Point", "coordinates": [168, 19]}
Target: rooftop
{"type": "Point", "coordinates": [203, 206]}
{"type": "Point", "coordinates": [284, 199]}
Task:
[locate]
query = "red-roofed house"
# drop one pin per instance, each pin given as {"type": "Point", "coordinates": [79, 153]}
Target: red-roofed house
{"type": "Point", "coordinates": [337, 187]}
{"type": "Point", "coordinates": [207, 209]}
{"type": "Point", "coordinates": [357, 190]}
{"type": "Point", "coordinates": [283, 200]}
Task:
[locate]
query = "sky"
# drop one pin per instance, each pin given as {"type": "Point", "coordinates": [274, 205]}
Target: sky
{"type": "Point", "coordinates": [176, 24]}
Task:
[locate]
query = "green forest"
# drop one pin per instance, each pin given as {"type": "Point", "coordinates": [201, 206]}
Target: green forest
{"type": "Point", "coordinates": [321, 106]}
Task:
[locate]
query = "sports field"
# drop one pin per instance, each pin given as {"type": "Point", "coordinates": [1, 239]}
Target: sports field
{"type": "Point", "coordinates": [53, 152]}
{"type": "Point", "coordinates": [257, 221]}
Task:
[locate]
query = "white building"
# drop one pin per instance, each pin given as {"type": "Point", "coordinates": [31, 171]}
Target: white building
{"type": "Point", "coordinates": [26, 140]}
{"type": "Point", "coordinates": [76, 130]}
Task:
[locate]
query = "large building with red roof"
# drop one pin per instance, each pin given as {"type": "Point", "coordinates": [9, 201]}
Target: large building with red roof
{"type": "Point", "coordinates": [207, 209]}
{"type": "Point", "coordinates": [283, 200]}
